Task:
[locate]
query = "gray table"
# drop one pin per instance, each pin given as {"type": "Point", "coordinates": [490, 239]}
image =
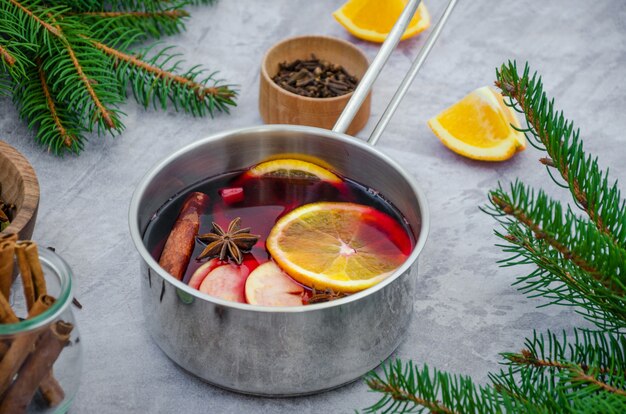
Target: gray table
{"type": "Point", "coordinates": [466, 310]}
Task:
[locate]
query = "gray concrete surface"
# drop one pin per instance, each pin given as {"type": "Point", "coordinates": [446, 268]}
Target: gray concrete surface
{"type": "Point", "coordinates": [466, 310]}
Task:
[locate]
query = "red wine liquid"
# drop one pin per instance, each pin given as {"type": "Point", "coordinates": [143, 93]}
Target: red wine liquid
{"type": "Point", "coordinates": [264, 201]}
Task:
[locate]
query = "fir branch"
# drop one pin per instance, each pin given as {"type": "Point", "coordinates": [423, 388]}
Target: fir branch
{"type": "Point", "coordinates": [580, 377]}
{"type": "Point", "coordinates": [124, 5]}
{"type": "Point", "coordinates": [545, 219]}
{"type": "Point", "coordinates": [101, 110]}
{"type": "Point", "coordinates": [172, 14]}
{"type": "Point", "coordinates": [36, 19]}
{"type": "Point", "coordinates": [409, 388]}
{"type": "Point", "coordinates": [14, 47]}
{"type": "Point", "coordinates": [69, 140]}
{"type": "Point", "coordinates": [62, 51]}
{"type": "Point", "coordinates": [565, 249]}
{"type": "Point", "coordinates": [578, 261]}
{"type": "Point", "coordinates": [589, 185]}
{"type": "Point", "coordinates": [602, 353]}
{"type": "Point", "coordinates": [7, 57]}
{"type": "Point", "coordinates": [77, 87]}
{"type": "Point", "coordinates": [151, 83]}
{"type": "Point", "coordinates": [13, 59]}
{"type": "Point", "coordinates": [149, 23]}
{"type": "Point", "coordinates": [37, 104]}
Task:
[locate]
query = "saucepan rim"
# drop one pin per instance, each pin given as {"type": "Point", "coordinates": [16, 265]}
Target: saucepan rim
{"type": "Point", "coordinates": [138, 194]}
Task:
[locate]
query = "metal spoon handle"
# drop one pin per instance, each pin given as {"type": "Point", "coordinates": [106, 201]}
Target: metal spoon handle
{"type": "Point", "coordinates": [365, 84]}
{"type": "Point", "coordinates": [373, 71]}
{"type": "Point", "coordinates": [410, 76]}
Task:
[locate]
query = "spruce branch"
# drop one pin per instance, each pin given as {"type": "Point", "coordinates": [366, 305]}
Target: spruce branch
{"type": "Point", "coordinates": [549, 129]}
{"type": "Point", "coordinates": [578, 261]}
{"type": "Point", "coordinates": [68, 66]}
{"type": "Point", "coordinates": [149, 23]}
{"type": "Point", "coordinates": [7, 57]}
{"type": "Point", "coordinates": [36, 20]}
{"type": "Point", "coordinates": [589, 269]}
{"type": "Point", "coordinates": [58, 128]}
{"type": "Point", "coordinates": [151, 83]}
{"type": "Point", "coordinates": [409, 388]}
{"type": "Point", "coordinates": [69, 140]}
{"type": "Point", "coordinates": [65, 48]}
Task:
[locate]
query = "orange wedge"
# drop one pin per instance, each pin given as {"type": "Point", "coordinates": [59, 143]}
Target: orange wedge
{"type": "Point", "coordinates": [292, 168]}
{"type": "Point", "coordinates": [373, 19]}
{"type": "Point", "coordinates": [346, 247]}
{"type": "Point", "coordinates": [479, 127]}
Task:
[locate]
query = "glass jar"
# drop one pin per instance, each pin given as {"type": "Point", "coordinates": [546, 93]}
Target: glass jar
{"type": "Point", "coordinates": [31, 346]}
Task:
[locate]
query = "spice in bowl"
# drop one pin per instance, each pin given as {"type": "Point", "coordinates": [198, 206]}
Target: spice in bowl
{"type": "Point", "coordinates": [7, 211]}
{"type": "Point", "coordinates": [315, 78]}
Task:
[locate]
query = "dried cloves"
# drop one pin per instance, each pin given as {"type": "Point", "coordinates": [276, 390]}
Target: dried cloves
{"type": "Point", "coordinates": [314, 78]}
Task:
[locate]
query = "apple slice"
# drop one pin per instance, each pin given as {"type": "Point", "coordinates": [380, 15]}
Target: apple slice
{"type": "Point", "coordinates": [202, 272]}
{"type": "Point", "coordinates": [268, 285]}
{"type": "Point", "coordinates": [226, 282]}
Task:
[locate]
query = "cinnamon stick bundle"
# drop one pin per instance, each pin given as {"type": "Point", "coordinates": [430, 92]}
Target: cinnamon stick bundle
{"type": "Point", "coordinates": [26, 360]}
{"type": "Point", "coordinates": [37, 366]}
{"type": "Point", "coordinates": [21, 346]}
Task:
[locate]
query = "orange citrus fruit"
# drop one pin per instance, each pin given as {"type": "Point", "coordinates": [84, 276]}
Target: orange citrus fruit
{"type": "Point", "coordinates": [373, 19]}
{"type": "Point", "coordinates": [346, 247]}
{"type": "Point", "coordinates": [479, 127]}
{"type": "Point", "coordinates": [292, 168]}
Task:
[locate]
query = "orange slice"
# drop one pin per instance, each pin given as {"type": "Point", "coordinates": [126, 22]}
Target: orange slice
{"type": "Point", "coordinates": [295, 169]}
{"type": "Point", "coordinates": [373, 19]}
{"type": "Point", "coordinates": [479, 127]}
{"type": "Point", "coordinates": [346, 247]}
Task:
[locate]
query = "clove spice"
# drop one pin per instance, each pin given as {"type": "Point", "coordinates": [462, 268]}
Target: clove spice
{"type": "Point", "coordinates": [7, 211]}
{"type": "Point", "coordinates": [315, 78]}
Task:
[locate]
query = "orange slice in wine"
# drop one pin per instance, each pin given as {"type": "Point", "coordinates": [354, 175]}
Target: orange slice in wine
{"type": "Point", "coordinates": [293, 169]}
{"type": "Point", "coordinates": [346, 247]}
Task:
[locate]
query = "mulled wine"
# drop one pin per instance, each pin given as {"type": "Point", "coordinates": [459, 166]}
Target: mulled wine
{"type": "Point", "coordinates": [214, 235]}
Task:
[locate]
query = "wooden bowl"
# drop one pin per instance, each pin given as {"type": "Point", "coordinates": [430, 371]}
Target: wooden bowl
{"type": "Point", "coordinates": [278, 106]}
{"type": "Point", "coordinates": [19, 187]}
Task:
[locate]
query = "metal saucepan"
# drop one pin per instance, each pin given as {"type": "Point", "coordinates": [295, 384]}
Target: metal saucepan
{"type": "Point", "coordinates": [297, 350]}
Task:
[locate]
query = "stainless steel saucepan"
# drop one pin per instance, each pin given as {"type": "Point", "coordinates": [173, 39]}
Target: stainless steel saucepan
{"type": "Point", "coordinates": [296, 350]}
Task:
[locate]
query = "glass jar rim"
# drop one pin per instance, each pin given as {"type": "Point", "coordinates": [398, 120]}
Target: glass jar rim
{"type": "Point", "coordinates": [64, 273]}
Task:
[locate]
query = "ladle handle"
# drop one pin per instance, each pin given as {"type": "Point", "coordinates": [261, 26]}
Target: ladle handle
{"type": "Point", "coordinates": [364, 86]}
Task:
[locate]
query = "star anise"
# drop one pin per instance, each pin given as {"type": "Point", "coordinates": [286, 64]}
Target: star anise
{"type": "Point", "coordinates": [319, 296]}
{"type": "Point", "coordinates": [233, 242]}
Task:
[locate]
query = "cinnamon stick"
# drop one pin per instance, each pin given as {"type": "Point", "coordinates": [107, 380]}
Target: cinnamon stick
{"type": "Point", "coordinates": [7, 250]}
{"type": "Point", "coordinates": [36, 367]}
{"type": "Point", "coordinates": [21, 346]}
{"type": "Point", "coordinates": [49, 387]}
{"type": "Point", "coordinates": [180, 243]}
{"type": "Point", "coordinates": [51, 390]}
{"type": "Point", "coordinates": [6, 316]}
{"type": "Point", "coordinates": [32, 257]}
{"type": "Point", "coordinates": [6, 312]}
{"type": "Point", "coordinates": [25, 273]}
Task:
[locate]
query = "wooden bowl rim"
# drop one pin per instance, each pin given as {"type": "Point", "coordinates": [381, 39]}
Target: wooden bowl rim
{"type": "Point", "coordinates": [273, 85]}
{"type": "Point", "coordinates": [31, 188]}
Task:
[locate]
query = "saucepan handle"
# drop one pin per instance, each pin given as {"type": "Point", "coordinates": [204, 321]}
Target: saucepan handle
{"type": "Point", "coordinates": [364, 86]}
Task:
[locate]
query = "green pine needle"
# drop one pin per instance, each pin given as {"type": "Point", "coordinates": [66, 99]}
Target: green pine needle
{"type": "Point", "coordinates": [84, 51]}
{"type": "Point", "coordinates": [578, 261]}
